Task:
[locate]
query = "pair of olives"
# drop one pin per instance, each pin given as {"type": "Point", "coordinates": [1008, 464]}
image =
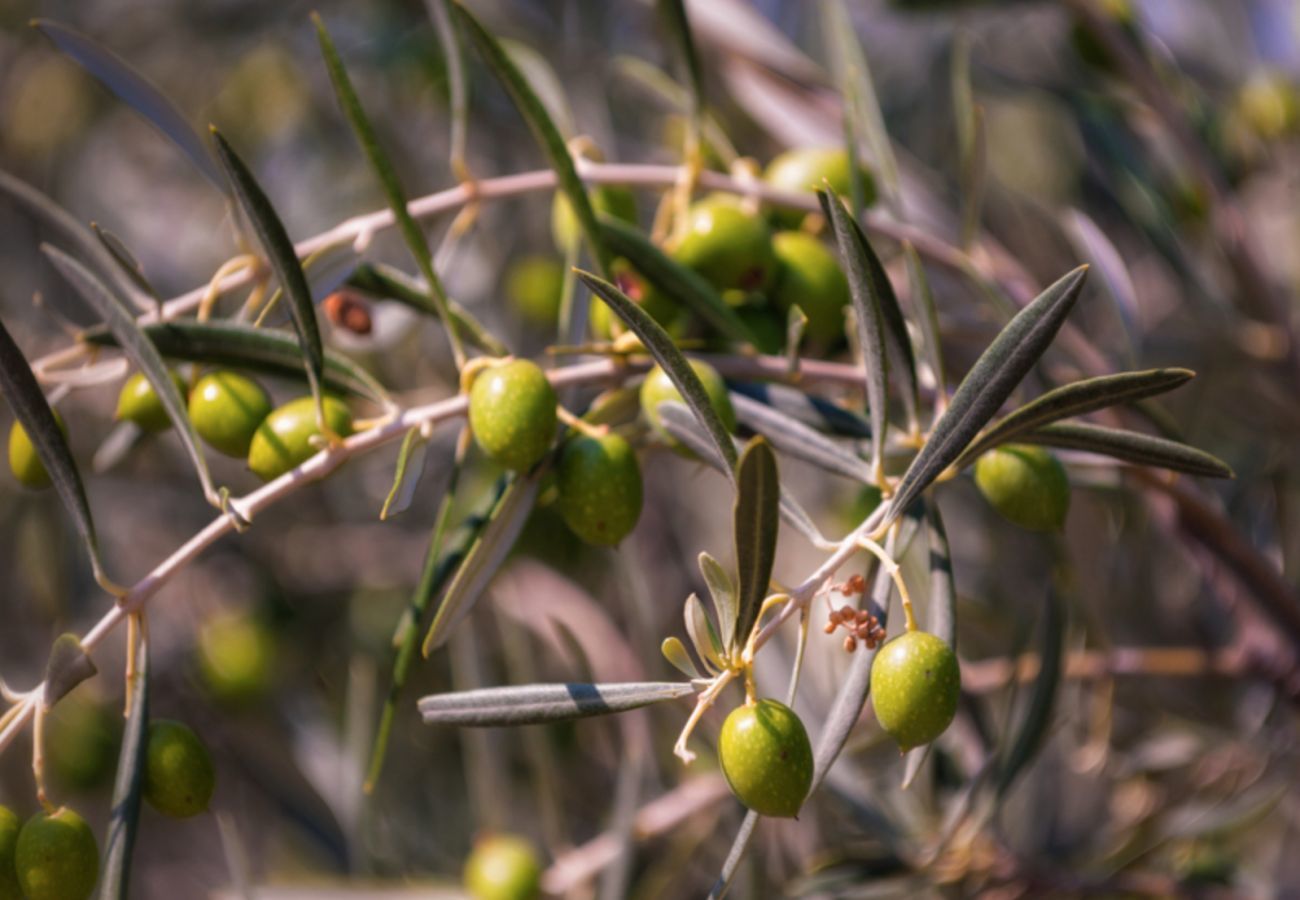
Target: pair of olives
{"type": "Point", "coordinates": [512, 414]}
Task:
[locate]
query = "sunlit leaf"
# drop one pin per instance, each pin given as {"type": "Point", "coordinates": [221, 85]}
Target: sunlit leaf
{"type": "Point", "coordinates": [457, 86]}
{"type": "Point", "coordinates": [1129, 446]}
{"type": "Point", "coordinates": [534, 704]}
{"type": "Point", "coordinates": [971, 154]}
{"type": "Point", "coordinates": [793, 438]}
{"type": "Point", "coordinates": [406, 474]}
{"type": "Point", "coordinates": [126, 260]}
{"type": "Point", "coordinates": [809, 409]}
{"type": "Point", "coordinates": [927, 317]}
{"type": "Point", "coordinates": [702, 633]}
{"type": "Point", "coordinates": [726, 603]}
{"type": "Point", "coordinates": [674, 651]}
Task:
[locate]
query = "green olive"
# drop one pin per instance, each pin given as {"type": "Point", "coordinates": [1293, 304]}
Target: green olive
{"type": "Point", "coordinates": [599, 481]}
{"type": "Point", "coordinates": [138, 402]}
{"type": "Point", "coordinates": [804, 169]}
{"type": "Point", "coordinates": [81, 742]}
{"type": "Point", "coordinates": [57, 857]}
{"type": "Point", "coordinates": [612, 200]}
{"type": "Point", "coordinates": [285, 439]}
{"type": "Point", "coordinates": [235, 659]}
{"type": "Point", "coordinates": [811, 277]}
{"type": "Point", "coordinates": [767, 758]}
{"type": "Point", "coordinates": [730, 247]}
{"type": "Point", "coordinates": [178, 773]}
{"type": "Point", "coordinates": [915, 683]}
{"type": "Point", "coordinates": [512, 413]}
{"type": "Point", "coordinates": [9, 827]}
{"type": "Point", "coordinates": [24, 461]}
{"type": "Point", "coordinates": [226, 409]}
{"type": "Point", "coordinates": [503, 867]}
{"type": "Point", "coordinates": [535, 286]}
{"type": "Point", "coordinates": [1026, 484]}
{"type": "Point", "coordinates": [659, 388]}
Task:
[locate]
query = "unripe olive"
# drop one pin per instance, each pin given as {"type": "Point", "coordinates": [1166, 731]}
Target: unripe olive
{"type": "Point", "coordinates": [659, 388]}
{"type": "Point", "coordinates": [138, 402]}
{"type": "Point", "coordinates": [235, 657]}
{"type": "Point", "coordinates": [503, 867]}
{"type": "Point", "coordinates": [178, 773]}
{"type": "Point", "coordinates": [284, 440]}
{"type": "Point", "coordinates": [804, 169]}
{"type": "Point", "coordinates": [612, 200]}
{"type": "Point", "coordinates": [810, 277]}
{"type": "Point", "coordinates": [730, 247]}
{"type": "Point", "coordinates": [915, 683]}
{"type": "Point", "coordinates": [24, 461]}
{"type": "Point", "coordinates": [767, 758]}
{"type": "Point", "coordinates": [535, 287]}
{"type": "Point", "coordinates": [226, 409]}
{"type": "Point", "coordinates": [512, 413]}
{"type": "Point", "coordinates": [599, 481]}
{"type": "Point", "coordinates": [1026, 484]}
{"type": "Point", "coordinates": [9, 827]}
{"type": "Point", "coordinates": [57, 857]}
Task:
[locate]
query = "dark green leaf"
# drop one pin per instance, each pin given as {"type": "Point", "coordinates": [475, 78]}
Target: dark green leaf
{"type": "Point", "coordinates": [484, 557]}
{"type": "Point", "coordinates": [543, 129]}
{"type": "Point", "coordinates": [284, 261]}
{"type": "Point", "coordinates": [664, 350]}
{"type": "Point", "coordinates": [534, 704]}
{"type": "Point", "coordinates": [1129, 446]}
{"type": "Point", "coordinates": [130, 266]}
{"type": "Point", "coordinates": [1038, 717]}
{"type": "Point", "coordinates": [756, 519]}
{"type": "Point", "coordinates": [988, 384]}
{"type": "Point", "coordinates": [1076, 399]}
{"type": "Point", "coordinates": [387, 175]}
{"type": "Point", "coordinates": [793, 438]}
{"type": "Point", "coordinates": [734, 856]}
{"type": "Point", "coordinates": [119, 839]}
{"type": "Point", "coordinates": [386, 283]}
{"type": "Point", "coordinates": [140, 350]}
{"type": "Point", "coordinates": [136, 91]}
{"type": "Point", "coordinates": [24, 394]}
{"type": "Point", "coordinates": [68, 666]}
{"type": "Point", "coordinates": [672, 278]}
{"type": "Point", "coordinates": [264, 350]}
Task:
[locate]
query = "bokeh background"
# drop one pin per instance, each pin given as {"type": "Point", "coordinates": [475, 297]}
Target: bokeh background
{"type": "Point", "coordinates": [1149, 782]}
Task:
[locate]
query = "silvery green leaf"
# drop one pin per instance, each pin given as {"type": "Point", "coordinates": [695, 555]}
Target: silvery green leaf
{"type": "Point", "coordinates": [734, 856]}
{"type": "Point", "coordinates": [125, 259]}
{"type": "Point", "coordinates": [534, 704]}
{"type": "Point", "coordinates": [1032, 729]}
{"type": "Point", "coordinates": [128, 785]}
{"type": "Point", "coordinates": [702, 633]}
{"type": "Point", "coordinates": [457, 89]}
{"type": "Point", "coordinates": [1130, 446]}
{"type": "Point", "coordinates": [927, 317]}
{"type": "Point", "coordinates": [406, 475]}
{"type": "Point", "coordinates": [815, 412]}
{"type": "Point", "coordinates": [545, 83]}
{"type": "Point", "coordinates": [722, 589]}
{"type": "Point", "coordinates": [793, 438]}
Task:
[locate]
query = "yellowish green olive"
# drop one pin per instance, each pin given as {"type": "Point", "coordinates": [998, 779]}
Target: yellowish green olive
{"type": "Point", "coordinates": [600, 490]}
{"type": "Point", "coordinates": [512, 413]}
{"type": "Point", "coordinates": [138, 402]}
{"type": "Point", "coordinates": [226, 408]}
{"type": "Point", "coordinates": [503, 867]}
{"type": "Point", "coordinates": [1026, 484]}
{"type": "Point", "coordinates": [729, 246]}
{"type": "Point", "coordinates": [810, 277]}
{"type": "Point", "coordinates": [658, 388]}
{"type": "Point", "coordinates": [57, 857]}
{"type": "Point", "coordinates": [9, 828]}
{"type": "Point", "coordinates": [767, 758]}
{"type": "Point", "coordinates": [807, 169]}
{"type": "Point", "coordinates": [915, 685]}
{"type": "Point", "coordinates": [287, 437]}
{"type": "Point", "coordinates": [24, 461]}
{"type": "Point", "coordinates": [179, 777]}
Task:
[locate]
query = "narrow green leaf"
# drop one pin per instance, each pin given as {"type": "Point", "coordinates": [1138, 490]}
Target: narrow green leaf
{"type": "Point", "coordinates": [68, 666]}
{"type": "Point", "coordinates": [1129, 446]}
{"type": "Point", "coordinates": [23, 392]}
{"type": "Point", "coordinates": [702, 633]}
{"type": "Point", "coordinates": [136, 91]}
{"type": "Point", "coordinates": [1033, 727]}
{"type": "Point", "coordinates": [674, 651]}
{"type": "Point", "coordinates": [722, 590]}
{"type": "Point", "coordinates": [484, 557]}
{"type": "Point", "coordinates": [756, 520]}
{"type": "Point", "coordinates": [673, 14]}
{"type": "Point", "coordinates": [386, 283]}
{"type": "Point", "coordinates": [543, 129]}
{"type": "Point", "coordinates": [125, 259]}
{"type": "Point", "coordinates": [988, 384]}
{"type": "Point", "coordinates": [735, 855]}
{"type": "Point", "coordinates": [796, 320]}
{"type": "Point", "coordinates": [815, 412]}
{"type": "Point", "coordinates": [457, 85]}
{"type": "Point", "coordinates": [927, 317]}
{"type": "Point", "coordinates": [678, 98]}
{"type": "Point", "coordinates": [869, 318]}
{"type": "Point", "coordinates": [264, 350]}
{"type": "Point", "coordinates": [545, 83]}
{"type": "Point", "coordinates": [405, 475]}
{"type": "Point", "coordinates": [535, 704]}
{"type": "Point", "coordinates": [972, 167]}
{"type": "Point", "coordinates": [662, 347]}
{"type": "Point", "coordinates": [793, 438]}
{"type": "Point", "coordinates": [284, 261]}
{"type": "Point", "coordinates": [1076, 399]}
{"type": "Point", "coordinates": [383, 169]}
{"type": "Point", "coordinates": [138, 348]}
{"type": "Point", "coordinates": [673, 279]}
{"type": "Point", "coordinates": [119, 838]}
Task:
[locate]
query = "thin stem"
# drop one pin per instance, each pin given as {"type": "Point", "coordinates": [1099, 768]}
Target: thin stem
{"type": "Point", "coordinates": [892, 570]}
{"type": "Point", "coordinates": [702, 705]}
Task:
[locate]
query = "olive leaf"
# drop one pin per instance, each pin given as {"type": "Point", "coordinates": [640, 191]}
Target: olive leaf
{"type": "Point", "coordinates": [457, 85]}
{"type": "Point", "coordinates": [987, 385]}
{"type": "Point", "coordinates": [119, 837]}
{"type": "Point", "coordinates": [534, 704]}
{"type": "Point", "coordinates": [484, 557]}
{"type": "Point", "coordinates": [1129, 446]}
{"type": "Point", "coordinates": [125, 259]}
{"type": "Point", "coordinates": [971, 153]}
{"type": "Point", "coordinates": [684, 285]}
{"type": "Point", "coordinates": [703, 635]}
{"type": "Point", "coordinates": [23, 392]}
{"type": "Point", "coordinates": [136, 91]}
{"type": "Point", "coordinates": [1076, 399]}
{"type": "Point", "coordinates": [674, 651]}
{"type": "Point", "coordinates": [545, 83]}
{"type": "Point", "coordinates": [673, 14]}
{"type": "Point", "coordinates": [67, 666]}
{"type": "Point", "coordinates": [755, 522]}
{"type": "Point", "coordinates": [664, 350]}
{"type": "Point", "coordinates": [734, 856]}
{"type": "Point", "coordinates": [676, 97]}
{"type": "Point", "coordinates": [284, 261]}
{"type": "Point", "coordinates": [1032, 729]}
{"type": "Point", "coordinates": [796, 320]}
{"type": "Point", "coordinates": [793, 438]}
{"type": "Point", "coordinates": [387, 283]}
{"type": "Point", "coordinates": [927, 317]}
{"type": "Point", "coordinates": [722, 589]}
{"type": "Point", "coordinates": [808, 409]}
{"type": "Point", "coordinates": [543, 129]}
{"type": "Point", "coordinates": [406, 475]}
{"type": "Point", "coordinates": [238, 345]}
{"type": "Point", "coordinates": [388, 180]}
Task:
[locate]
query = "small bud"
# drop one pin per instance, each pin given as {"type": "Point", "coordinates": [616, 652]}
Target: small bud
{"type": "Point", "coordinates": [831, 626]}
{"type": "Point", "coordinates": [850, 644]}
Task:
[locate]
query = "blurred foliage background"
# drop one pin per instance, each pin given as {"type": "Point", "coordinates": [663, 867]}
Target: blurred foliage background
{"type": "Point", "coordinates": [275, 646]}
